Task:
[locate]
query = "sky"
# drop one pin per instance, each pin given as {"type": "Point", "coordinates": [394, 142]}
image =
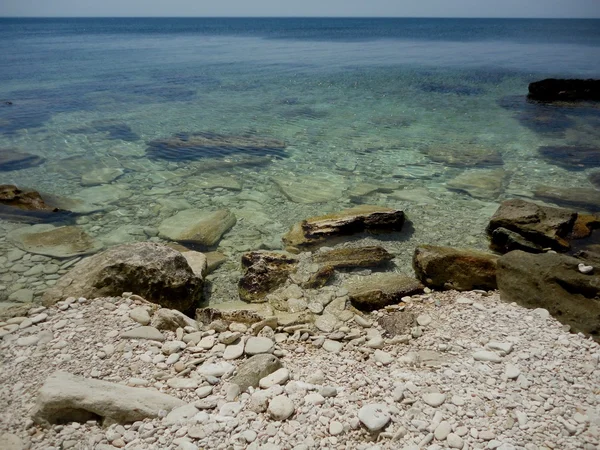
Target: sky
{"type": "Point", "coordinates": [302, 8]}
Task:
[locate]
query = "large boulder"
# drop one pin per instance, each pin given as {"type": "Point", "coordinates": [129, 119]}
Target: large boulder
{"type": "Point", "coordinates": [364, 218]}
{"type": "Point", "coordinates": [353, 257]}
{"type": "Point", "coordinates": [553, 281]}
{"type": "Point", "coordinates": [154, 271]}
{"type": "Point", "coordinates": [264, 272]}
{"type": "Point", "coordinates": [541, 225]}
{"type": "Point", "coordinates": [455, 268]}
{"type": "Point", "coordinates": [553, 89]}
{"type": "Point", "coordinates": [197, 227]}
{"type": "Point", "coordinates": [380, 289]}
{"type": "Point", "coordinates": [65, 398]}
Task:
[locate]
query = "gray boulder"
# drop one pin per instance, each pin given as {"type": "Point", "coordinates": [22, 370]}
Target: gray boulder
{"type": "Point", "coordinates": [155, 272]}
{"type": "Point", "coordinates": [254, 369]}
{"type": "Point", "coordinates": [380, 289]}
{"type": "Point", "coordinates": [68, 398]}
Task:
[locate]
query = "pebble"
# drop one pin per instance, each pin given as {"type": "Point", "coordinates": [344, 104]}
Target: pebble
{"type": "Point", "coordinates": [383, 357]}
{"type": "Point", "coordinates": [140, 315]}
{"type": "Point", "coordinates": [484, 355]}
{"type": "Point", "coordinates": [424, 319]}
{"type": "Point", "coordinates": [280, 407]}
{"type": "Point", "coordinates": [144, 332]}
{"type": "Point", "coordinates": [233, 352]}
{"type": "Point", "coordinates": [374, 416]}
{"type": "Point", "coordinates": [332, 346]}
{"type": "Point", "coordinates": [454, 441]}
{"type": "Point", "coordinates": [335, 428]}
{"type": "Point", "coordinates": [256, 345]}
{"type": "Point", "coordinates": [280, 376]}
{"type": "Point", "coordinates": [204, 391]}
{"type": "Point", "coordinates": [512, 372]}
{"type": "Point", "coordinates": [182, 383]}
{"type": "Point", "coordinates": [434, 399]}
{"type": "Point", "coordinates": [442, 430]}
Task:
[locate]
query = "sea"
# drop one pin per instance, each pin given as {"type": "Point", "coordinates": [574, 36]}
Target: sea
{"type": "Point", "coordinates": [285, 119]}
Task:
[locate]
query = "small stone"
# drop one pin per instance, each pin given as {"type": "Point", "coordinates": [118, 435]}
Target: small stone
{"type": "Point", "coordinates": [27, 341]}
{"type": "Point", "coordinates": [383, 357]}
{"type": "Point", "coordinates": [314, 399]}
{"type": "Point", "coordinates": [487, 435]}
{"type": "Point", "coordinates": [281, 408]}
{"type": "Point", "coordinates": [375, 342]}
{"type": "Point", "coordinates": [249, 435]}
{"type": "Point", "coordinates": [434, 399]}
{"type": "Point", "coordinates": [256, 345]}
{"type": "Point", "coordinates": [233, 352]}
{"type": "Point", "coordinates": [424, 320]}
{"type": "Point", "coordinates": [374, 416]}
{"type": "Point", "coordinates": [196, 432]}
{"type": "Point", "coordinates": [170, 347]}
{"type": "Point", "coordinates": [454, 441]}
{"type": "Point", "coordinates": [204, 391]}
{"type": "Point", "coordinates": [228, 337]}
{"type": "Point", "coordinates": [512, 372]}
{"type": "Point", "coordinates": [207, 342]}
{"type": "Point", "coordinates": [360, 320]}
{"type": "Point", "coordinates": [38, 318]}
{"type": "Point", "coordinates": [504, 347]}
{"type": "Point", "coordinates": [584, 268]}
{"type": "Point", "coordinates": [182, 383]}
{"type": "Point", "coordinates": [215, 369]}
{"type": "Point", "coordinates": [144, 332]}
{"type": "Point", "coordinates": [280, 376]}
{"type": "Point", "coordinates": [332, 346]}
{"type": "Point", "coordinates": [335, 428]}
{"type": "Point", "coordinates": [140, 315]}
{"type": "Point", "coordinates": [464, 301]}
{"type": "Point", "coordinates": [442, 430]}
{"type": "Point", "coordinates": [484, 355]}
{"type": "Point", "coordinates": [230, 409]}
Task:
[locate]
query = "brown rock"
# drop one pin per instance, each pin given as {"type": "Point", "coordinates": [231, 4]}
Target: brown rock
{"type": "Point", "coordinates": [264, 272]}
{"type": "Point", "coordinates": [454, 268]}
{"type": "Point", "coordinates": [552, 281]}
{"type": "Point", "coordinates": [585, 198]}
{"type": "Point", "coordinates": [353, 257]}
{"type": "Point", "coordinates": [380, 289]}
{"type": "Point", "coordinates": [153, 271]}
{"type": "Point", "coordinates": [542, 225]}
{"type": "Point", "coordinates": [240, 312]}
{"type": "Point", "coordinates": [27, 206]}
{"type": "Point", "coordinates": [365, 218]}
{"type": "Point", "coordinates": [320, 278]}
{"type": "Point", "coordinates": [397, 323]}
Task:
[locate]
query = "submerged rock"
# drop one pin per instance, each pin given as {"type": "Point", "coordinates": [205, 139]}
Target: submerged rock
{"type": "Point", "coordinates": [58, 242]}
{"type": "Point", "coordinates": [466, 155]}
{"type": "Point", "coordinates": [311, 189]}
{"type": "Point", "coordinates": [12, 159]}
{"type": "Point", "coordinates": [263, 273]}
{"type": "Point", "coordinates": [455, 268]}
{"type": "Point", "coordinates": [594, 178]}
{"type": "Point", "coordinates": [571, 157]}
{"type": "Point", "coordinates": [552, 89]}
{"type": "Point", "coordinates": [191, 146]}
{"type": "Point", "coordinates": [104, 175]}
{"type": "Point", "coordinates": [484, 184]}
{"type": "Point", "coordinates": [197, 226]}
{"type": "Point", "coordinates": [365, 218]}
{"type": "Point", "coordinates": [584, 198]}
{"type": "Point", "coordinates": [154, 271]}
{"type": "Point", "coordinates": [543, 226]}
{"type": "Point", "coordinates": [114, 129]}
{"type": "Point", "coordinates": [353, 257]}
{"type": "Point", "coordinates": [28, 206]}
{"type": "Point", "coordinates": [554, 282]}
{"type": "Point", "coordinates": [65, 398]}
{"type": "Point", "coordinates": [380, 289]}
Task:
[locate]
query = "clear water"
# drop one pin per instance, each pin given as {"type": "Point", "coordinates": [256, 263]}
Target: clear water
{"type": "Point", "coordinates": [355, 100]}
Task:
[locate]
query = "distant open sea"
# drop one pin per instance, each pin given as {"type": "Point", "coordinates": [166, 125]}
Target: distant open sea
{"type": "Point", "coordinates": [426, 115]}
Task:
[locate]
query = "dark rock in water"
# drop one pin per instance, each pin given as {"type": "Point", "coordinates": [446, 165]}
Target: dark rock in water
{"type": "Point", "coordinates": [552, 281]}
{"type": "Point", "coordinates": [154, 271]}
{"type": "Point", "coordinates": [304, 112]}
{"type": "Point", "coordinates": [454, 268]}
{"type": "Point", "coordinates": [594, 178]}
{"type": "Point", "coordinates": [191, 146]}
{"type": "Point", "coordinates": [11, 159]}
{"type": "Point", "coordinates": [7, 103]}
{"type": "Point", "coordinates": [263, 273]}
{"type": "Point", "coordinates": [442, 88]}
{"type": "Point", "coordinates": [28, 206]}
{"type": "Point", "coordinates": [467, 155]}
{"type": "Point", "coordinates": [354, 257]}
{"type": "Point", "coordinates": [364, 218]}
{"type": "Point", "coordinates": [541, 225]}
{"type": "Point", "coordinates": [546, 121]}
{"type": "Point", "coordinates": [584, 198]}
{"type": "Point", "coordinates": [380, 289]}
{"type": "Point", "coordinates": [571, 157]}
{"type": "Point", "coordinates": [552, 89]}
{"type": "Point", "coordinates": [504, 241]}
{"type": "Point", "coordinates": [115, 130]}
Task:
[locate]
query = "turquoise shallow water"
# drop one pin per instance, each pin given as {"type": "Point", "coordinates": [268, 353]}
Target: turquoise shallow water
{"type": "Point", "coordinates": [365, 108]}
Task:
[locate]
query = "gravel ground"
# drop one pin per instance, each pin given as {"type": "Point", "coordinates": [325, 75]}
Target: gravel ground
{"type": "Point", "coordinates": [474, 372]}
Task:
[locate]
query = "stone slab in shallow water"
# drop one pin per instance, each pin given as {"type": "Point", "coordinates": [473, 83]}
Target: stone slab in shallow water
{"type": "Point", "coordinates": [483, 184]}
{"type": "Point", "coordinates": [190, 146]}
{"type": "Point", "coordinates": [58, 242]}
{"type": "Point", "coordinates": [17, 205]}
{"type": "Point", "coordinates": [311, 189]}
{"type": "Point", "coordinates": [380, 289]}
{"type": "Point", "coordinates": [197, 226]}
{"type": "Point", "coordinates": [104, 175]}
{"type": "Point", "coordinates": [156, 272]}
{"type": "Point", "coordinates": [584, 198]}
{"type": "Point", "coordinates": [421, 196]}
{"type": "Point", "coordinates": [67, 398]}
{"type": "Point", "coordinates": [353, 257]}
{"type": "Point", "coordinates": [263, 273]}
{"type": "Point", "coordinates": [465, 155]}
{"type": "Point", "coordinates": [212, 181]}
{"type": "Point", "coordinates": [365, 218]}
{"type": "Point", "coordinates": [542, 225]}
{"type": "Point", "coordinates": [13, 159]}
{"type": "Point", "coordinates": [455, 268]}
{"type": "Point", "coordinates": [570, 156]}
{"type": "Point", "coordinates": [554, 282]}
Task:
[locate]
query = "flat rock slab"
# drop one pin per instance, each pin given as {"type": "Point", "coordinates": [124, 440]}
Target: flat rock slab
{"type": "Point", "coordinates": [213, 181]}
{"type": "Point", "coordinates": [542, 225]}
{"type": "Point", "coordinates": [154, 271]}
{"type": "Point", "coordinates": [365, 218]}
{"type": "Point", "coordinates": [311, 189]}
{"type": "Point", "coordinates": [12, 159]}
{"type": "Point", "coordinates": [483, 184]}
{"type": "Point", "coordinates": [144, 332]}
{"type": "Point", "coordinates": [104, 175]}
{"type": "Point", "coordinates": [455, 268]}
{"type": "Point", "coordinates": [68, 398]}
{"type": "Point", "coordinates": [380, 289]}
{"type": "Point", "coordinates": [58, 242]}
{"type": "Point", "coordinates": [465, 155]}
{"type": "Point", "coordinates": [197, 226]}
{"type": "Point", "coordinates": [353, 257]}
{"type": "Point", "coordinates": [584, 198]}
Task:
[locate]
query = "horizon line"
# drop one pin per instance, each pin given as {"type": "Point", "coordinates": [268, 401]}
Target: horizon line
{"type": "Point", "coordinates": [298, 17]}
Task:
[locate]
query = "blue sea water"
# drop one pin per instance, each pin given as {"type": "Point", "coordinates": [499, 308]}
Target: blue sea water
{"type": "Point", "coordinates": [365, 108]}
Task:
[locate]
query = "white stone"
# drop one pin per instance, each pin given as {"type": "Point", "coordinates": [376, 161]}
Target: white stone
{"type": "Point", "coordinates": [335, 428]}
{"type": "Point", "coordinates": [215, 369]}
{"type": "Point", "coordinates": [170, 347]}
{"type": "Point", "coordinates": [383, 357]}
{"type": "Point", "coordinates": [281, 408]}
{"type": "Point", "coordinates": [204, 391]}
{"type": "Point", "coordinates": [374, 416]}
{"type": "Point", "coordinates": [442, 430]}
{"type": "Point", "coordinates": [454, 441]}
{"type": "Point", "coordinates": [207, 342]}
{"type": "Point", "coordinates": [332, 346]}
{"type": "Point", "coordinates": [505, 347]}
{"type": "Point", "coordinates": [233, 351]}
{"type": "Point", "coordinates": [375, 342]}
{"type": "Point", "coordinates": [424, 319]}
{"type": "Point", "coordinates": [512, 372]}
{"type": "Point", "coordinates": [314, 399]}
{"type": "Point", "coordinates": [140, 315]}
{"type": "Point", "coordinates": [484, 355]}
{"type": "Point", "coordinates": [182, 383]}
{"type": "Point", "coordinates": [257, 345]}
{"type": "Point", "coordinates": [280, 376]}
{"type": "Point", "coordinates": [434, 399]}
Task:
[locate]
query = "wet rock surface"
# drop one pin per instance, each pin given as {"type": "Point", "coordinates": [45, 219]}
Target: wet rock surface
{"type": "Point", "coordinates": [59, 242]}
{"type": "Point", "coordinates": [571, 157]}
{"type": "Point", "coordinates": [263, 273]}
{"type": "Point", "coordinates": [553, 89]}
{"type": "Point", "coordinates": [17, 205]}
{"type": "Point", "coordinates": [204, 228]}
{"type": "Point", "coordinates": [583, 198]}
